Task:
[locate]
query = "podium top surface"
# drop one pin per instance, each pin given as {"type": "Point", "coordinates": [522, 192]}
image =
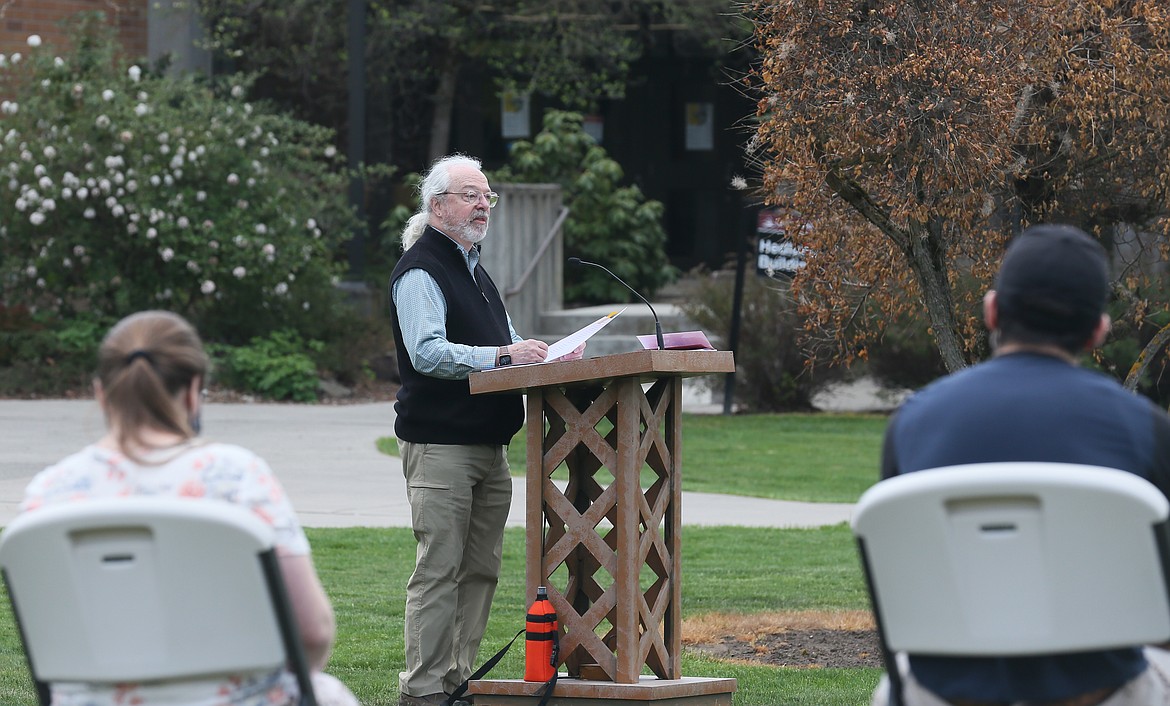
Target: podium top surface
{"type": "Point", "coordinates": [647, 364]}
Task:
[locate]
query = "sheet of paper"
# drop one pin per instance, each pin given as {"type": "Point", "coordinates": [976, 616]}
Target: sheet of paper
{"type": "Point", "coordinates": [569, 343]}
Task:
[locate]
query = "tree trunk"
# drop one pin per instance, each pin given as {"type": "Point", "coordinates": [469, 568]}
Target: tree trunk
{"type": "Point", "coordinates": [926, 253]}
{"type": "Point", "coordinates": [923, 246]}
{"type": "Point", "coordinates": [1146, 357]}
{"type": "Point", "coordinates": [444, 105]}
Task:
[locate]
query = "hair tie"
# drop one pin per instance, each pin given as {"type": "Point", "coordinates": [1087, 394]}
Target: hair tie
{"type": "Point", "coordinates": [135, 355]}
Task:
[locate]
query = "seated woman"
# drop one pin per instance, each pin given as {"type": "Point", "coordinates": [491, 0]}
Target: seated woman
{"type": "Point", "coordinates": [151, 369]}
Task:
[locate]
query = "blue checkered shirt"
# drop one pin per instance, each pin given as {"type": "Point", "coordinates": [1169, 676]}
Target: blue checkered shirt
{"type": "Point", "coordinates": [422, 316]}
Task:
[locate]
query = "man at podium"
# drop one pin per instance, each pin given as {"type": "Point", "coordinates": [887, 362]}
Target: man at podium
{"type": "Point", "coordinates": [449, 321]}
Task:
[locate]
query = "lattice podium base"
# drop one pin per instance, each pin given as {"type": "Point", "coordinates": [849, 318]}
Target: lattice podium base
{"type": "Point", "coordinates": [649, 691]}
{"type": "Point", "coordinates": [607, 545]}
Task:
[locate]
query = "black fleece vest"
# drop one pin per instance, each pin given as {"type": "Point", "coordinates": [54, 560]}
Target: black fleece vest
{"type": "Point", "coordinates": [437, 411]}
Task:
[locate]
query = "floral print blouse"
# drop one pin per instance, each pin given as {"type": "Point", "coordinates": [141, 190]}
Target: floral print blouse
{"type": "Point", "coordinates": [196, 470]}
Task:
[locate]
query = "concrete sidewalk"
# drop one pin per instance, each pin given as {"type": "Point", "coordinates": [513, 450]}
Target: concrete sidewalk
{"type": "Point", "coordinates": [326, 459]}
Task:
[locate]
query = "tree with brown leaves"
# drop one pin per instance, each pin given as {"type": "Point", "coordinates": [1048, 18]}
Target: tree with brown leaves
{"type": "Point", "coordinates": [917, 136]}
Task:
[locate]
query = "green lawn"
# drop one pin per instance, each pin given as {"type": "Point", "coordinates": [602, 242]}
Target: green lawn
{"type": "Point", "coordinates": [808, 457]}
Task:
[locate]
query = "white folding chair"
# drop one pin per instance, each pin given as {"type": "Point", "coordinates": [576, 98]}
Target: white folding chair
{"type": "Point", "coordinates": [1012, 559]}
{"type": "Point", "coordinates": [144, 589]}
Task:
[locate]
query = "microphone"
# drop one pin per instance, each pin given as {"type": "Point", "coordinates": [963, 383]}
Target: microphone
{"type": "Point", "coordinates": [657, 323]}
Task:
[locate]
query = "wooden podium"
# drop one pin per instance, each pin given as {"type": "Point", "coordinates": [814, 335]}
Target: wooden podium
{"type": "Point", "coordinates": [607, 545]}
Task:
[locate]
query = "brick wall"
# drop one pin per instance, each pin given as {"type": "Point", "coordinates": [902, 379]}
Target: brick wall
{"type": "Point", "coordinates": [20, 18]}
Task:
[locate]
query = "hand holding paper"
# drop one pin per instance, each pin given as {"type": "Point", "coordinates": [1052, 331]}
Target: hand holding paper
{"type": "Point", "coordinates": [569, 345]}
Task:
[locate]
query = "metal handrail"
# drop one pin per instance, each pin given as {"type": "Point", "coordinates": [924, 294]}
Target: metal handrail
{"type": "Point", "coordinates": [552, 233]}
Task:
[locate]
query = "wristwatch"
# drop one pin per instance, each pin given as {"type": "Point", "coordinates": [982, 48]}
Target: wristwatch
{"type": "Point", "coordinates": [503, 359]}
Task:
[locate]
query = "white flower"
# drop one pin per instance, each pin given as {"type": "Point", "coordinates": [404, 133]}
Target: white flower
{"type": "Point", "coordinates": [45, 183]}
{"type": "Point", "coordinates": [182, 222]}
{"type": "Point", "coordinates": [3, 60]}
{"type": "Point", "coordinates": [311, 223]}
{"type": "Point", "coordinates": [45, 83]}
{"type": "Point", "coordinates": [738, 183]}
{"type": "Point", "coordinates": [66, 193]}
{"type": "Point", "coordinates": [154, 180]}
{"type": "Point", "coordinates": [207, 287]}
{"type": "Point", "coordinates": [107, 95]}
{"type": "Point", "coordinates": [305, 306]}
{"type": "Point", "coordinates": [66, 262]}
{"type": "Point", "coordinates": [9, 107]}
{"type": "Point", "coordinates": [142, 96]}
{"type": "Point", "coordinates": [34, 40]}
{"type": "Point", "coordinates": [118, 211]}
{"type": "Point", "coordinates": [281, 288]}
{"type": "Point", "coordinates": [58, 62]}
{"type": "Point", "coordinates": [48, 205]}
{"type": "Point", "coordinates": [132, 228]}
{"type": "Point", "coordinates": [49, 151]}
{"type": "Point", "coordinates": [192, 266]}
{"type": "Point", "coordinates": [31, 271]}
{"type": "Point", "coordinates": [330, 151]}
{"type": "Point", "coordinates": [237, 91]}
{"type": "Point", "coordinates": [268, 249]}
{"type": "Point", "coordinates": [15, 57]}
{"type": "Point", "coordinates": [240, 241]}
{"type": "Point", "coordinates": [20, 204]}
{"type": "Point", "coordinates": [135, 73]}
{"type": "Point", "coordinates": [82, 193]}
{"type": "Point", "coordinates": [89, 213]}
{"type": "Point", "coordinates": [132, 186]}
{"type": "Point", "coordinates": [166, 254]}
{"type": "Point", "coordinates": [239, 272]}
{"type": "Point", "coordinates": [103, 121]}
{"type": "Point", "coordinates": [200, 196]}
{"type": "Point", "coordinates": [141, 109]}
{"type": "Point", "coordinates": [36, 218]}
{"type": "Point", "coordinates": [240, 142]}
{"type": "Point", "coordinates": [233, 179]}
{"type": "Point", "coordinates": [151, 233]}
{"type": "Point", "coordinates": [261, 229]}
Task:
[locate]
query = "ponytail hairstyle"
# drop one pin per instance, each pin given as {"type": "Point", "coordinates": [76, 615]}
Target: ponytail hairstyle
{"type": "Point", "coordinates": [433, 184]}
{"type": "Point", "coordinates": [146, 363]}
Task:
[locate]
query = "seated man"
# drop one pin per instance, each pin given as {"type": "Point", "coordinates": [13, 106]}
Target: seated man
{"type": "Point", "coordinates": [1032, 402]}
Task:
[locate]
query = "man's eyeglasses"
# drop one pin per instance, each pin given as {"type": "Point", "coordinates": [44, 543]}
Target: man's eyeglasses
{"type": "Point", "coordinates": [472, 196]}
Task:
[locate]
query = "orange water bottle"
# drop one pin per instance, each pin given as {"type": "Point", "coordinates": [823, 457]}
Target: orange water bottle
{"type": "Point", "coordinates": [541, 639]}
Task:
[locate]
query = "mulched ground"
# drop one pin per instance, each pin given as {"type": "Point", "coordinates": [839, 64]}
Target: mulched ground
{"type": "Point", "coordinates": [816, 648]}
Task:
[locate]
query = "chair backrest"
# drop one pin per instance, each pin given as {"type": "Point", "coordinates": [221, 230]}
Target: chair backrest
{"type": "Point", "coordinates": [1008, 559]}
{"type": "Point", "coordinates": [142, 589]}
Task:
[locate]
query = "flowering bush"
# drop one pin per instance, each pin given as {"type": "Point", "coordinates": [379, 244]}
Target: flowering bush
{"type": "Point", "coordinates": [122, 190]}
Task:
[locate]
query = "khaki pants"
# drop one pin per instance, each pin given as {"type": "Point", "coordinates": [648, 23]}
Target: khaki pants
{"type": "Point", "coordinates": [1150, 688]}
{"type": "Point", "coordinates": [459, 501]}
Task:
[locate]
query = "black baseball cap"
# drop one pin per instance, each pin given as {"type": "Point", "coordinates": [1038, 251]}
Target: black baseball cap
{"type": "Point", "coordinates": [1053, 279]}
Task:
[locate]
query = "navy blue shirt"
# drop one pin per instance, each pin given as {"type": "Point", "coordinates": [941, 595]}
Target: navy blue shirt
{"type": "Point", "coordinates": [1028, 407]}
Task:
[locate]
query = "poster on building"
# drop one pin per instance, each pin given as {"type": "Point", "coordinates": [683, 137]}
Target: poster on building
{"type": "Point", "coordinates": [514, 121]}
{"type": "Point", "coordinates": [700, 132]}
{"type": "Point", "coordinates": [776, 254]}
